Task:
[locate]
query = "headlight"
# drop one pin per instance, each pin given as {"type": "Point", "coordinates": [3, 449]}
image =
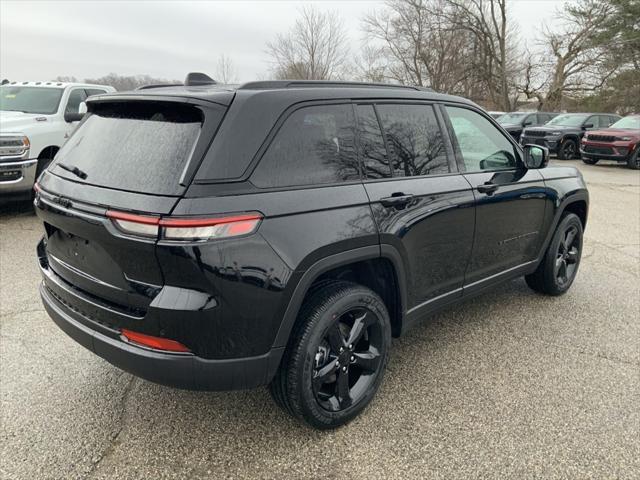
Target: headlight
{"type": "Point", "coordinates": [14, 145]}
{"type": "Point", "coordinates": [553, 134]}
{"type": "Point", "coordinates": [624, 139]}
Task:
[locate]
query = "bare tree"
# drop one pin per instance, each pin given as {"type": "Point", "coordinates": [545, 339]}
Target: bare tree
{"type": "Point", "coordinates": [371, 65]}
{"type": "Point", "coordinates": [226, 71]}
{"type": "Point", "coordinates": [129, 82]}
{"type": "Point", "coordinates": [314, 49]}
{"type": "Point", "coordinates": [496, 55]}
{"type": "Point", "coordinates": [580, 62]}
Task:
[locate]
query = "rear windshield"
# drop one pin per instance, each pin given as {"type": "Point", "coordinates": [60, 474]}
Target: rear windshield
{"type": "Point", "coordinates": [135, 146]}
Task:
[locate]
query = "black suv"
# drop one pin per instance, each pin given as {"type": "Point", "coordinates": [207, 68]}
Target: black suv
{"type": "Point", "coordinates": [281, 232]}
{"type": "Point", "coordinates": [563, 133]}
{"type": "Point", "coordinates": [515, 122]}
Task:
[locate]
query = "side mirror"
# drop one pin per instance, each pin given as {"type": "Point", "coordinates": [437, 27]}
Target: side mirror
{"type": "Point", "coordinates": [527, 123]}
{"type": "Point", "coordinates": [73, 116]}
{"type": "Point", "coordinates": [82, 108]}
{"type": "Point", "coordinates": [587, 125]}
{"type": "Point", "coordinates": [535, 156]}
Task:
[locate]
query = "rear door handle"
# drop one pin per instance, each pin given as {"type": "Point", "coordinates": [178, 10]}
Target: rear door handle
{"type": "Point", "coordinates": [488, 188]}
{"type": "Point", "coordinates": [396, 200]}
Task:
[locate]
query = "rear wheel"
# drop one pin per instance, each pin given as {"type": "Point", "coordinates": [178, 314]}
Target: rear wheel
{"type": "Point", "coordinates": [559, 267]}
{"type": "Point", "coordinates": [634, 160]}
{"type": "Point", "coordinates": [590, 161]}
{"type": "Point", "coordinates": [335, 360]}
{"type": "Point", "coordinates": [568, 149]}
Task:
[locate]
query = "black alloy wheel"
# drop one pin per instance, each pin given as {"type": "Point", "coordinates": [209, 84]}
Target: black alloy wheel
{"type": "Point", "coordinates": [559, 266]}
{"type": "Point", "coordinates": [336, 357]}
{"type": "Point", "coordinates": [347, 360]}
{"type": "Point", "coordinates": [567, 256]}
{"type": "Point", "coordinates": [567, 150]}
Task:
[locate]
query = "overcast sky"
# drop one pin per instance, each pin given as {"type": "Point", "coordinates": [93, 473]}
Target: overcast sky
{"type": "Point", "coordinates": [87, 39]}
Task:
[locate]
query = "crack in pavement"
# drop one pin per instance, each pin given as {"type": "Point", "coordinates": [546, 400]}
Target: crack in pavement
{"type": "Point", "coordinates": [120, 424]}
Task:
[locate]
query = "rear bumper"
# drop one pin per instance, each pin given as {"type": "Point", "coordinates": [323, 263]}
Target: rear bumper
{"type": "Point", "coordinates": [17, 177]}
{"type": "Point", "coordinates": [181, 370]}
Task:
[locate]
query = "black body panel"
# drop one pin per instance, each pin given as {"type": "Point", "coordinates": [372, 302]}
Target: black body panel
{"type": "Point", "coordinates": [234, 301]}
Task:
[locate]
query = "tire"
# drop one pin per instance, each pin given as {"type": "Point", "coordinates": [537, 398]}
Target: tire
{"type": "Point", "coordinates": [568, 149]}
{"type": "Point", "coordinates": [559, 266]}
{"type": "Point", "coordinates": [316, 382]}
{"type": "Point", "coordinates": [634, 161]}
{"type": "Point", "coordinates": [590, 161]}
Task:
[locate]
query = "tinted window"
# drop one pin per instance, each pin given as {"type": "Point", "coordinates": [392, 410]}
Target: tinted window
{"type": "Point", "coordinates": [372, 148]}
{"type": "Point", "coordinates": [415, 140]}
{"type": "Point", "coordinates": [481, 145]}
{"type": "Point", "coordinates": [76, 97]}
{"type": "Point", "coordinates": [30, 99]}
{"type": "Point", "coordinates": [315, 145]}
{"type": "Point", "coordinates": [94, 91]}
{"type": "Point", "coordinates": [141, 147]}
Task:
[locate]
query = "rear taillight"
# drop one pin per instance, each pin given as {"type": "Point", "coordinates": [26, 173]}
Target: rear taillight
{"type": "Point", "coordinates": [150, 341]}
{"type": "Point", "coordinates": [192, 229]}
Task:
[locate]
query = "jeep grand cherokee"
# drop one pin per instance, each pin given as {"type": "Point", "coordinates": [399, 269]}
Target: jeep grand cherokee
{"type": "Point", "coordinates": [280, 233]}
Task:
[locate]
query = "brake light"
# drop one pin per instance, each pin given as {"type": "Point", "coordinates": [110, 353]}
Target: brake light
{"type": "Point", "coordinates": [177, 228]}
{"type": "Point", "coordinates": [208, 228]}
{"type": "Point", "coordinates": [158, 343]}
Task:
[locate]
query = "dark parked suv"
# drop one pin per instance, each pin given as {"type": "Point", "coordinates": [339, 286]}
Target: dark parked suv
{"type": "Point", "coordinates": [516, 122]}
{"type": "Point", "coordinates": [282, 232]}
{"type": "Point", "coordinates": [562, 135]}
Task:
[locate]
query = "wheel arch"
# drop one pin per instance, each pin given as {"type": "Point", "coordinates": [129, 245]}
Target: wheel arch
{"type": "Point", "coordinates": [48, 152]}
{"type": "Point", "coordinates": [380, 269]}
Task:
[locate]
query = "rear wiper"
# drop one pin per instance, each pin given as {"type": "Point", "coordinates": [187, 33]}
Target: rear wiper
{"type": "Point", "coordinates": [75, 170]}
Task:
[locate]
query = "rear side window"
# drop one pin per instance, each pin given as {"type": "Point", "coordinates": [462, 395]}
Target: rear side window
{"type": "Point", "coordinates": [136, 146]}
{"type": "Point", "coordinates": [414, 139]}
{"type": "Point", "coordinates": [314, 145]}
{"type": "Point", "coordinates": [372, 148]}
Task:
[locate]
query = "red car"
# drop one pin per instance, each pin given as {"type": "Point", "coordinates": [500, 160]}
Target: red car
{"type": "Point", "coordinates": [619, 142]}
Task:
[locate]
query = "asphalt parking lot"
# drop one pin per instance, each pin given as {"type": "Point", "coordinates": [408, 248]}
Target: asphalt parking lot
{"type": "Point", "coordinates": [509, 385]}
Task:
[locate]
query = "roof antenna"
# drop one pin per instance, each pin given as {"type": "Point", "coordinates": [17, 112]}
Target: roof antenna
{"type": "Point", "coordinates": [195, 79]}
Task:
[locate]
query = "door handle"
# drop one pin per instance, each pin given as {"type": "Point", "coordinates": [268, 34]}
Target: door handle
{"type": "Point", "coordinates": [396, 200]}
{"type": "Point", "coordinates": [488, 188]}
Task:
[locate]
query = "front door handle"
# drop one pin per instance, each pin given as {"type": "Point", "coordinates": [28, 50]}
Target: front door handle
{"type": "Point", "coordinates": [396, 200]}
{"type": "Point", "coordinates": [488, 188]}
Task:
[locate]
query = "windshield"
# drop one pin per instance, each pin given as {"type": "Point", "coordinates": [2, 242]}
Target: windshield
{"type": "Point", "coordinates": [138, 146]}
{"type": "Point", "coordinates": [30, 99]}
{"type": "Point", "coordinates": [510, 118]}
{"type": "Point", "coordinates": [632, 123]}
{"type": "Point", "coordinates": [569, 120]}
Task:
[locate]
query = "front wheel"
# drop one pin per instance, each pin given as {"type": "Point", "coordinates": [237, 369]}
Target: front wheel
{"type": "Point", "coordinates": [634, 161]}
{"type": "Point", "coordinates": [568, 149]}
{"type": "Point", "coordinates": [590, 161]}
{"type": "Point", "coordinates": [335, 360]}
{"type": "Point", "coordinates": [559, 266]}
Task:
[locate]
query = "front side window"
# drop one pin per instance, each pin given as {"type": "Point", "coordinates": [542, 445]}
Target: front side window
{"type": "Point", "coordinates": [415, 140]}
{"type": "Point", "coordinates": [481, 145]}
{"type": "Point", "coordinates": [315, 145]}
{"type": "Point", "coordinates": [43, 100]}
{"type": "Point", "coordinates": [76, 97]}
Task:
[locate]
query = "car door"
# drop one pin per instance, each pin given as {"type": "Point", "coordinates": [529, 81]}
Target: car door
{"type": "Point", "coordinates": [509, 199]}
{"type": "Point", "coordinates": [422, 206]}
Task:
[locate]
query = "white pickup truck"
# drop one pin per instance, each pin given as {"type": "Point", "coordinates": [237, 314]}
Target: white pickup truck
{"type": "Point", "coordinates": [36, 118]}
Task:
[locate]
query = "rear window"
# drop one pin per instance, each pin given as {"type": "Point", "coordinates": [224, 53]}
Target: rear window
{"type": "Point", "coordinates": [136, 146]}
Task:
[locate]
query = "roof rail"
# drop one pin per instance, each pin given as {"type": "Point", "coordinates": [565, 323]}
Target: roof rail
{"type": "Point", "coordinates": [272, 84]}
{"type": "Point", "coordinates": [158, 85]}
